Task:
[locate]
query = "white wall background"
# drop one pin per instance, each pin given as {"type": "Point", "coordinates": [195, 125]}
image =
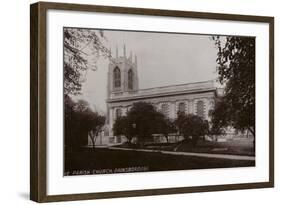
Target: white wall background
{"type": "Point", "coordinates": [14, 103]}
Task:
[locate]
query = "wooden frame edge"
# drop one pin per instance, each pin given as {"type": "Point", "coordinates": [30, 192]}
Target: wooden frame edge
{"type": "Point", "coordinates": [153, 12]}
{"type": "Point", "coordinates": [34, 190]}
{"type": "Point", "coordinates": [271, 100]}
{"type": "Point", "coordinates": [37, 102]}
{"type": "Point", "coordinates": [154, 192]}
{"type": "Point", "coordinates": [38, 177]}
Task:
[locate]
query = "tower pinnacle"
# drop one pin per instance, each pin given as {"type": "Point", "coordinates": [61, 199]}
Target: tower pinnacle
{"type": "Point", "coordinates": [124, 51]}
{"type": "Point", "coordinates": [131, 56]}
{"type": "Point", "coordinates": [116, 52]}
{"type": "Point", "coordinates": [136, 60]}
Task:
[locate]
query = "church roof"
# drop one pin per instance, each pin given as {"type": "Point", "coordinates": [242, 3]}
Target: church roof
{"type": "Point", "coordinates": [197, 87]}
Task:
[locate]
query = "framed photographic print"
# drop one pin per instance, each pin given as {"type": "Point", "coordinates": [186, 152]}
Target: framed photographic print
{"type": "Point", "coordinates": [134, 102]}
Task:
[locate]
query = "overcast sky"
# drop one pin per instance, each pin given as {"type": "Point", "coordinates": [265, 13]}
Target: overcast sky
{"type": "Point", "coordinates": [163, 59]}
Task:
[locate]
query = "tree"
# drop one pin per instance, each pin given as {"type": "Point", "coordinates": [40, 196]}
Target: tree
{"type": "Point", "coordinates": [123, 126]}
{"type": "Point", "coordinates": [80, 122]}
{"type": "Point", "coordinates": [82, 48]}
{"type": "Point", "coordinates": [141, 121]}
{"type": "Point", "coordinates": [236, 70]}
{"type": "Point", "coordinates": [191, 126]}
{"type": "Point", "coordinates": [220, 118]}
{"type": "Point", "coordinates": [164, 126]}
{"type": "Point", "coordinates": [69, 122]}
{"type": "Point", "coordinates": [96, 123]}
{"type": "Point", "coordinates": [143, 115]}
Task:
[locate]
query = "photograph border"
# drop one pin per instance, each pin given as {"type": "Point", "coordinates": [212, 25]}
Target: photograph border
{"type": "Point", "coordinates": [38, 100]}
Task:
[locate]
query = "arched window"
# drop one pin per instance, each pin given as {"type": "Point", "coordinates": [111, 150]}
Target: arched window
{"type": "Point", "coordinates": [116, 77]}
{"type": "Point", "coordinates": [200, 109]}
{"type": "Point", "coordinates": [181, 107]}
{"type": "Point", "coordinates": [130, 79]}
{"type": "Point", "coordinates": [118, 113]}
{"type": "Point", "coordinates": [165, 109]}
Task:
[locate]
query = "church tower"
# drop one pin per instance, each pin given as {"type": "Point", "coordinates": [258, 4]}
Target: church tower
{"type": "Point", "coordinates": [122, 75]}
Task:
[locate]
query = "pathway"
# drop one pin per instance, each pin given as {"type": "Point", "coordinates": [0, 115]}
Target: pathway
{"type": "Point", "coordinates": [221, 156]}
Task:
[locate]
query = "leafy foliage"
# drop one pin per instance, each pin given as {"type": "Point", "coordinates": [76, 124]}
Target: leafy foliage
{"type": "Point", "coordinates": [219, 117]}
{"type": "Point", "coordinates": [142, 121]}
{"type": "Point", "coordinates": [236, 69]}
{"type": "Point", "coordinates": [191, 126]}
{"type": "Point", "coordinates": [144, 116]}
{"type": "Point", "coordinates": [165, 126]}
{"type": "Point", "coordinates": [82, 48]}
{"type": "Point", "coordinates": [80, 121]}
{"type": "Point", "coordinates": [123, 126]}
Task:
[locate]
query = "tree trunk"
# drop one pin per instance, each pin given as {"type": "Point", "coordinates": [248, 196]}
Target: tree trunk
{"type": "Point", "coordinates": [92, 139]}
{"type": "Point", "coordinates": [167, 138]}
{"type": "Point", "coordinates": [254, 140]}
{"type": "Point", "coordinates": [194, 141]}
{"type": "Point", "coordinates": [129, 140]}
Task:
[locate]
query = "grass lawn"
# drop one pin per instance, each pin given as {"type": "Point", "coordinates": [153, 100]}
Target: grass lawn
{"type": "Point", "coordinates": [234, 147]}
{"type": "Point", "coordinates": [104, 161]}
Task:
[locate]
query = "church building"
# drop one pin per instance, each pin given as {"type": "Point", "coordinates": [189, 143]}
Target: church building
{"type": "Point", "coordinates": [123, 90]}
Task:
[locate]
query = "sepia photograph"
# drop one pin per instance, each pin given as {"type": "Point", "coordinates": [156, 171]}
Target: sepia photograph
{"type": "Point", "coordinates": [128, 101]}
{"type": "Point", "coordinates": [143, 101]}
